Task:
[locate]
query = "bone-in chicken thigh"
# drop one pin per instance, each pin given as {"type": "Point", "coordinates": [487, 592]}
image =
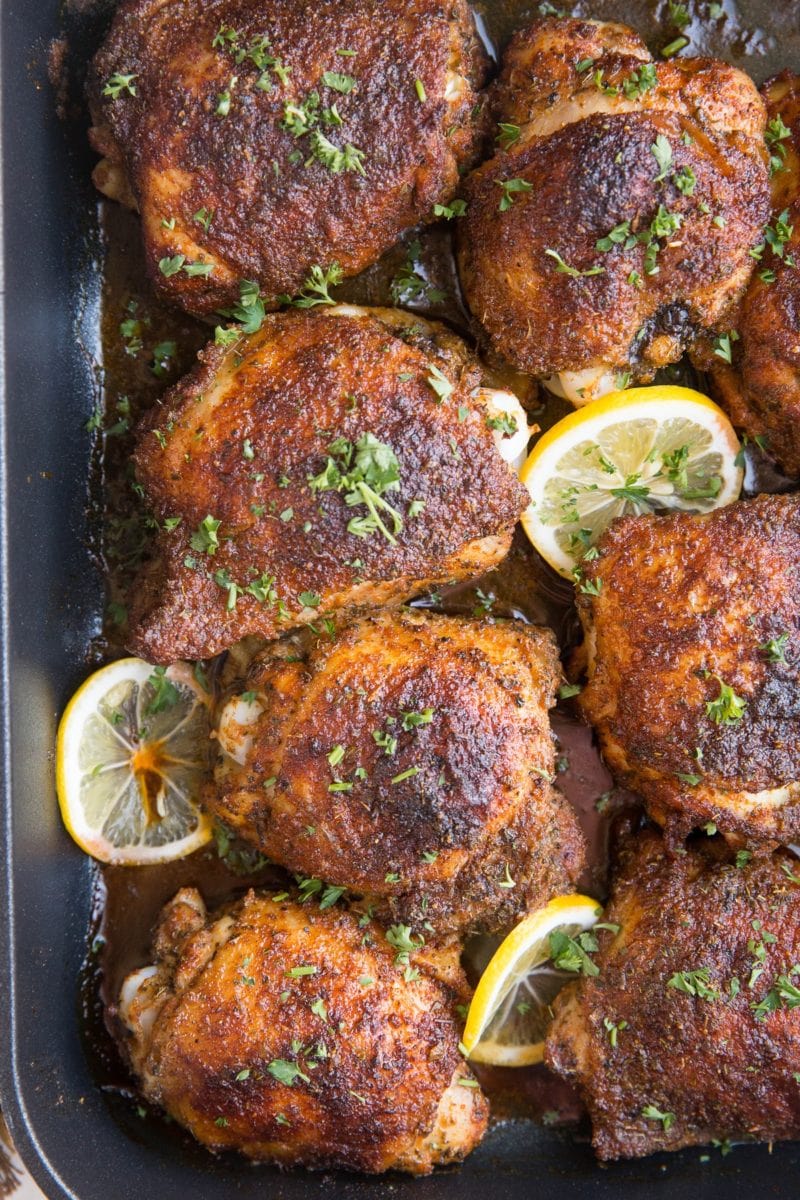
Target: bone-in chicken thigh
{"type": "Point", "coordinates": [409, 760]}
{"type": "Point", "coordinates": [298, 1035]}
{"type": "Point", "coordinates": [760, 387]}
{"type": "Point", "coordinates": [615, 222]}
{"type": "Point", "coordinates": [260, 139]}
{"type": "Point", "coordinates": [331, 459]}
{"type": "Point", "coordinates": [692, 630]}
{"type": "Point", "coordinates": [690, 1031]}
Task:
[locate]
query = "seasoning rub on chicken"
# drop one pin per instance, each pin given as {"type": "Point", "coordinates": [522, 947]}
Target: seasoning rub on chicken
{"type": "Point", "coordinates": [689, 1032]}
{"type": "Point", "coordinates": [755, 366]}
{"type": "Point", "coordinates": [259, 140]}
{"type": "Point", "coordinates": [615, 222]}
{"type": "Point", "coordinates": [334, 458]}
{"type": "Point", "coordinates": [301, 1035]}
{"type": "Point", "coordinates": [410, 760]}
{"type": "Point", "coordinates": [692, 628]}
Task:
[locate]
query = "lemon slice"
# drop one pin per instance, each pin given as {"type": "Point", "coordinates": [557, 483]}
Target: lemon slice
{"type": "Point", "coordinates": [638, 451]}
{"type": "Point", "coordinates": [132, 753]}
{"type": "Point", "coordinates": [509, 1014]}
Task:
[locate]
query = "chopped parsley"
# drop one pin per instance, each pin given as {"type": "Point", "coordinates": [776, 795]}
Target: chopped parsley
{"type": "Point", "coordinates": [572, 954]}
{"type": "Point", "coordinates": [205, 538]}
{"type": "Point", "coordinates": [620, 235]}
{"type": "Point", "coordinates": [401, 939]}
{"type": "Point", "coordinates": [409, 774]}
{"type": "Point", "coordinates": [364, 471]}
{"type": "Point", "coordinates": [386, 741]}
{"type": "Point", "coordinates": [315, 289]}
{"type": "Point", "coordinates": [117, 84]}
{"type": "Point", "coordinates": [640, 81]}
{"type": "Point", "coordinates": [727, 708]}
{"type": "Point", "coordinates": [286, 1072]}
{"type": "Point", "coordinates": [675, 47]}
{"type": "Point", "coordinates": [413, 720]}
{"type": "Point", "coordinates": [694, 983]}
{"type": "Point", "coordinates": [652, 1113]}
{"type": "Point", "coordinates": [165, 693]}
{"type": "Point", "coordinates": [778, 235]}
{"type": "Point", "coordinates": [614, 1029]}
{"type": "Point", "coordinates": [678, 14]}
{"type": "Point", "coordinates": [508, 135]}
{"type": "Point", "coordinates": [685, 181]}
{"type": "Point", "coordinates": [784, 993]}
{"type": "Point", "coordinates": [335, 755]}
{"type": "Point", "coordinates": [511, 188]}
{"type": "Point", "coordinates": [775, 649]}
{"type": "Point", "coordinates": [237, 858]}
{"type": "Point", "coordinates": [775, 136]}
{"type": "Point", "coordinates": [409, 284]}
{"type": "Point", "coordinates": [662, 152]}
{"type": "Point", "coordinates": [456, 209]}
{"type": "Point", "coordinates": [338, 82]}
{"type": "Point", "coordinates": [723, 345]}
{"type": "Point", "coordinates": [564, 268]}
{"type": "Point", "coordinates": [249, 311]}
{"type": "Point", "coordinates": [335, 158]}
{"type": "Point", "coordinates": [224, 98]}
{"type": "Point", "coordinates": [505, 424]}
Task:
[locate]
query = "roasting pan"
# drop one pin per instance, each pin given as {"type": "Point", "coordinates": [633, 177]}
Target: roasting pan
{"type": "Point", "coordinates": [77, 1141]}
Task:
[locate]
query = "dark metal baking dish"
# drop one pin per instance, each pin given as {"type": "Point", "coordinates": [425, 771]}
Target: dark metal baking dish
{"type": "Point", "coordinates": [72, 1139]}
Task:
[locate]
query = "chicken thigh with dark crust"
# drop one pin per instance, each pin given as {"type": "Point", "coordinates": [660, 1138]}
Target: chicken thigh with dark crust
{"type": "Point", "coordinates": [300, 1035]}
{"type": "Point", "coordinates": [258, 140]}
{"type": "Point", "coordinates": [615, 223]}
{"type": "Point", "coordinates": [333, 459]}
{"type": "Point", "coordinates": [760, 386]}
{"type": "Point", "coordinates": [692, 630]}
{"type": "Point", "coordinates": [409, 760]}
{"type": "Point", "coordinates": [690, 1031]}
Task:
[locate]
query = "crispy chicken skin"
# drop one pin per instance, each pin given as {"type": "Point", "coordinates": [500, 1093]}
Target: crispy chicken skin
{"type": "Point", "coordinates": [658, 1067]}
{"type": "Point", "coordinates": [346, 1065]}
{"type": "Point", "coordinates": [409, 760]}
{"type": "Point", "coordinates": [761, 388]}
{"type": "Point", "coordinates": [239, 440]}
{"type": "Point", "coordinates": [586, 158]}
{"type": "Point", "coordinates": [686, 608]}
{"type": "Point", "coordinates": [206, 132]}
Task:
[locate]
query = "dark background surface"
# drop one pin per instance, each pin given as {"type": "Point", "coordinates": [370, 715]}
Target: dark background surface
{"type": "Point", "coordinates": [75, 1141]}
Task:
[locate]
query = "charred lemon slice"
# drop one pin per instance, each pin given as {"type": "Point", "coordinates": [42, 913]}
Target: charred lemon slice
{"type": "Point", "coordinates": [132, 753]}
{"type": "Point", "coordinates": [510, 1011]}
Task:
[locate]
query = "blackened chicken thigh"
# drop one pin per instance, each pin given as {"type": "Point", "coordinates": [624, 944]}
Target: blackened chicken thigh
{"type": "Point", "coordinates": [260, 140]}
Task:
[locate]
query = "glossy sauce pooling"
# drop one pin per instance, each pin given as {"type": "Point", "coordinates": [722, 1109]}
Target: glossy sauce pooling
{"type": "Point", "coordinates": [146, 347]}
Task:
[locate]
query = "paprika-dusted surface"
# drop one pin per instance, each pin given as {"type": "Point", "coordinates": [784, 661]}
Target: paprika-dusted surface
{"type": "Point", "coordinates": [241, 440]}
{"type": "Point", "coordinates": [689, 1032]}
{"type": "Point", "coordinates": [410, 761]}
{"type": "Point", "coordinates": [691, 629]}
{"type": "Point", "coordinates": [760, 387]}
{"type": "Point", "coordinates": [291, 1033]}
{"type": "Point", "coordinates": [576, 164]}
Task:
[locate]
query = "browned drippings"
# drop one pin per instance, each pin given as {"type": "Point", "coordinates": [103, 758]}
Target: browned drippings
{"type": "Point", "coordinates": [160, 345]}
